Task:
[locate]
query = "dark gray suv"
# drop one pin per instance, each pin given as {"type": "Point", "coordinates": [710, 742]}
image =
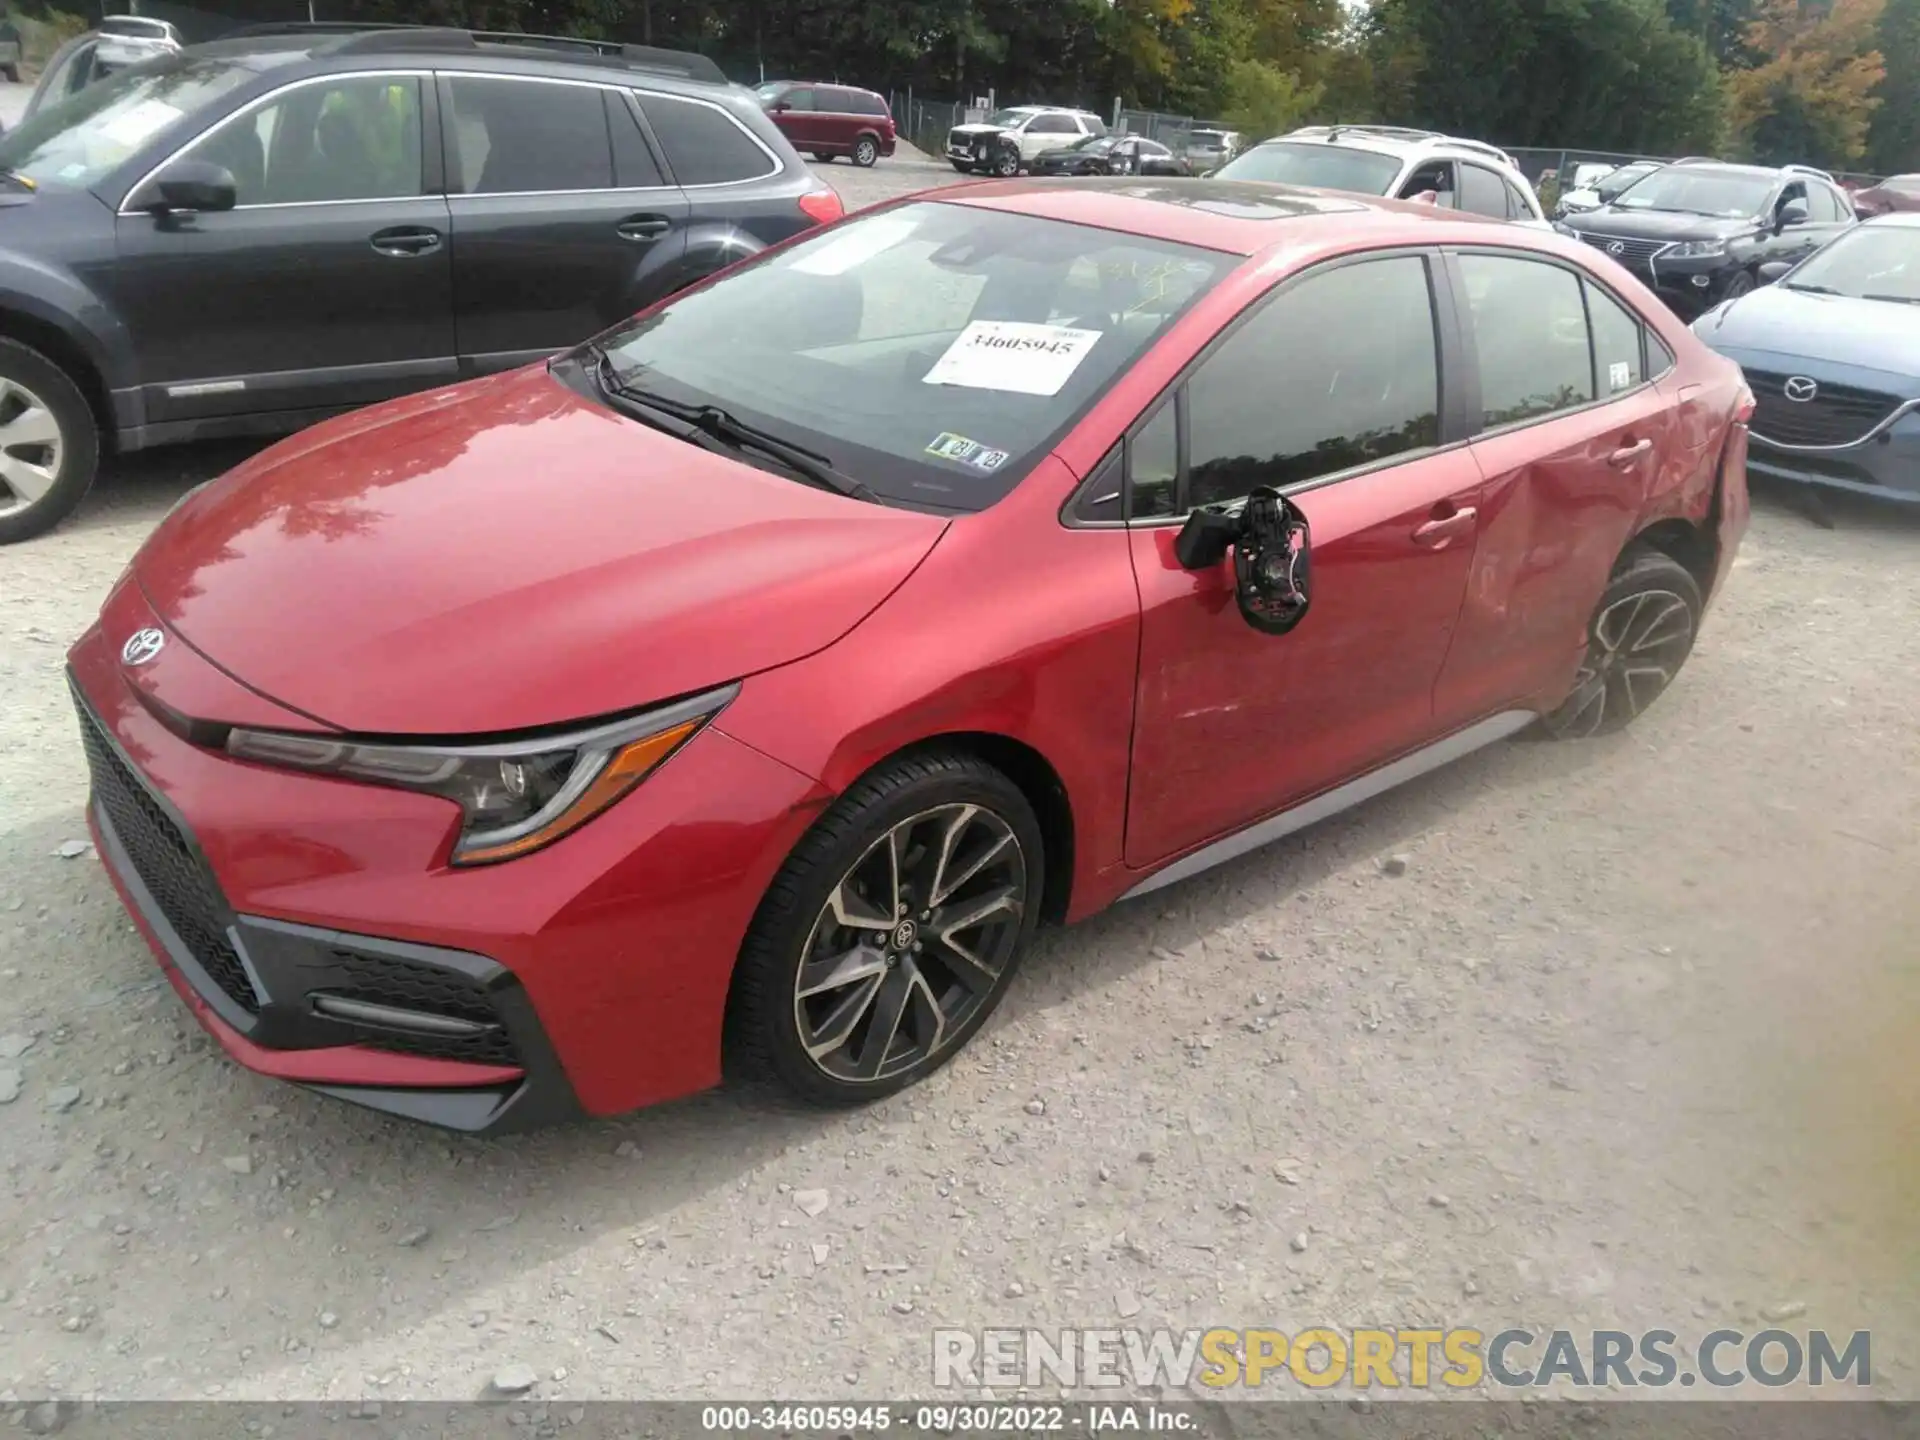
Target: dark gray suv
{"type": "Point", "coordinates": [247, 236]}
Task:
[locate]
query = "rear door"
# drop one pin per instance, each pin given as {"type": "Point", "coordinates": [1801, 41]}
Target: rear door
{"type": "Point", "coordinates": [1568, 434]}
{"type": "Point", "coordinates": [839, 119]}
{"type": "Point", "coordinates": [1330, 391]}
{"type": "Point", "coordinates": [561, 214]}
{"type": "Point", "coordinates": [1049, 132]}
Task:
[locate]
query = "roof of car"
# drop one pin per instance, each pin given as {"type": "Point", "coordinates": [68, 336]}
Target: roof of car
{"type": "Point", "coordinates": [1241, 217]}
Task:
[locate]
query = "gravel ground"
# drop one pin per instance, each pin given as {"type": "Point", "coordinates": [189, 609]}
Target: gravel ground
{"type": "Point", "coordinates": [1627, 1042]}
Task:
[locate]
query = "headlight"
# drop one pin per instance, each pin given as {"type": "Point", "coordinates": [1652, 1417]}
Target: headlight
{"type": "Point", "coordinates": [1566, 229]}
{"type": "Point", "coordinates": [516, 797]}
{"type": "Point", "coordinates": [1696, 250]}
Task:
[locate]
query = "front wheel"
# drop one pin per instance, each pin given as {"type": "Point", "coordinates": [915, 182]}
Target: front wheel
{"type": "Point", "coordinates": [49, 444]}
{"type": "Point", "coordinates": [890, 935]}
{"type": "Point", "coordinates": [1741, 284]}
{"type": "Point", "coordinates": [865, 151]}
{"type": "Point", "coordinates": [1007, 164]}
{"type": "Point", "coordinates": [961, 166]}
{"type": "Point", "coordinates": [1641, 634]}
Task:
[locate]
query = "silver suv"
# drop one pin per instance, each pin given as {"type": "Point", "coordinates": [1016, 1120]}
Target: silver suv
{"type": "Point", "coordinates": [1405, 164]}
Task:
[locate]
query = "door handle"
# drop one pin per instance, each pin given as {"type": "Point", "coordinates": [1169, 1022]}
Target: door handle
{"type": "Point", "coordinates": [405, 240]}
{"type": "Point", "coordinates": [643, 227]}
{"type": "Point", "coordinates": [1444, 527]}
{"type": "Point", "coordinates": [1626, 455]}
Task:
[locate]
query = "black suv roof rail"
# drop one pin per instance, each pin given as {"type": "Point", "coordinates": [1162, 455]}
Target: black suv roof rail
{"type": "Point", "coordinates": [369, 38]}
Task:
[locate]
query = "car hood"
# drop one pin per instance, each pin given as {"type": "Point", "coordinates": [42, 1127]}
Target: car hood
{"type": "Point", "coordinates": [505, 555]}
{"type": "Point", "coordinates": [978, 132]}
{"type": "Point", "coordinates": [1661, 224]}
{"type": "Point", "coordinates": [1777, 328]}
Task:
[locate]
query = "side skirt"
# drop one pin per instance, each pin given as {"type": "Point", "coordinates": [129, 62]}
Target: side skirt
{"type": "Point", "coordinates": [1343, 797]}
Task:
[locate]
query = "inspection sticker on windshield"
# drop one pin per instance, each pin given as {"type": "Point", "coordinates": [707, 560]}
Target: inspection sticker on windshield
{"type": "Point", "coordinates": [140, 122]}
{"type": "Point", "coordinates": [949, 446]}
{"type": "Point", "coordinates": [1014, 356]}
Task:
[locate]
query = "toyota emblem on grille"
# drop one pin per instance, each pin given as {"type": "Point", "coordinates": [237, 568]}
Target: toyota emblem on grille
{"type": "Point", "coordinates": [142, 646]}
{"type": "Point", "coordinates": [1616, 248]}
{"type": "Point", "coordinates": [1800, 388]}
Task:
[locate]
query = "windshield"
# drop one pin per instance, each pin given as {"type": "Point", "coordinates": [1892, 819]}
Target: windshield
{"type": "Point", "coordinates": [88, 135]}
{"type": "Point", "coordinates": [1329, 167]}
{"type": "Point", "coordinates": [1009, 119]}
{"type": "Point", "coordinates": [1727, 194]}
{"type": "Point", "coordinates": [1616, 181]}
{"type": "Point", "coordinates": [1095, 144]}
{"type": "Point", "coordinates": [1876, 262]}
{"type": "Point", "coordinates": [932, 352]}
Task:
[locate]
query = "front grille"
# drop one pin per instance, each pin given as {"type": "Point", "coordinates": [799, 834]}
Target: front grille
{"type": "Point", "coordinates": [407, 985]}
{"type": "Point", "coordinates": [1635, 254]}
{"type": "Point", "coordinates": [164, 859]}
{"type": "Point", "coordinates": [1837, 414]}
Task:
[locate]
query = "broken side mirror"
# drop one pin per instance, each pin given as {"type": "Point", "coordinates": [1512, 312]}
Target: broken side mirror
{"type": "Point", "coordinates": [1271, 545]}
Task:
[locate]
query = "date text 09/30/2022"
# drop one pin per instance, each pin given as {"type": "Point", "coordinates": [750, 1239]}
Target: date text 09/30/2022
{"type": "Point", "coordinates": [949, 1419]}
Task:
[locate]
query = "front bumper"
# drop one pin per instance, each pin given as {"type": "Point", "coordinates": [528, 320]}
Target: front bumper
{"type": "Point", "coordinates": [1691, 287]}
{"type": "Point", "coordinates": [314, 929]}
{"type": "Point", "coordinates": [1886, 465]}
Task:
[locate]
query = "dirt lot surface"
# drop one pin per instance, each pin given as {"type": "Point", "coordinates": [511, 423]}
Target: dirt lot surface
{"type": "Point", "coordinates": [1628, 1042]}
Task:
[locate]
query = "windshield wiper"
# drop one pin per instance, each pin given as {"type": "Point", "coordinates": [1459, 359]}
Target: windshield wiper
{"type": "Point", "coordinates": [1895, 299]}
{"type": "Point", "coordinates": [1815, 289]}
{"type": "Point", "coordinates": [722, 425]}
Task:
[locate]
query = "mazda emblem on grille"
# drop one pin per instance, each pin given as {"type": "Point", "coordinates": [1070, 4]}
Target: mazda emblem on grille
{"type": "Point", "coordinates": [1616, 248]}
{"type": "Point", "coordinates": [1800, 388]}
{"type": "Point", "coordinates": [142, 646]}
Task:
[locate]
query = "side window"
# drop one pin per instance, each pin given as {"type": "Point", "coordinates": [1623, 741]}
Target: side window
{"type": "Point", "coordinates": [1616, 343]}
{"type": "Point", "coordinates": [1437, 177]}
{"type": "Point", "coordinates": [1053, 125]}
{"type": "Point", "coordinates": [1517, 206]}
{"type": "Point", "coordinates": [1153, 466]}
{"type": "Point", "coordinates": [829, 100]}
{"type": "Point", "coordinates": [1841, 207]}
{"type": "Point", "coordinates": [1659, 358]}
{"type": "Point", "coordinates": [800, 99]}
{"type": "Point", "coordinates": [1530, 329]}
{"type": "Point", "coordinates": [1795, 191]}
{"type": "Point", "coordinates": [634, 167]}
{"type": "Point", "coordinates": [356, 138]}
{"type": "Point", "coordinates": [1341, 370]}
{"type": "Point", "coordinates": [1482, 192]}
{"type": "Point", "coordinates": [511, 137]}
{"type": "Point", "coordinates": [867, 103]}
{"type": "Point", "coordinates": [704, 144]}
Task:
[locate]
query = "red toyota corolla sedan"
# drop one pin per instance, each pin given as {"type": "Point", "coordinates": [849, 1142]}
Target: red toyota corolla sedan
{"type": "Point", "coordinates": [737, 693]}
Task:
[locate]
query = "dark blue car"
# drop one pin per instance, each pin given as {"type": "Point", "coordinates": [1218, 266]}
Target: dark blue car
{"type": "Point", "coordinates": [1832, 353]}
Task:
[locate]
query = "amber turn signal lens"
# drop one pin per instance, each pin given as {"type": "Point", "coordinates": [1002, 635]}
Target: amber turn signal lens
{"type": "Point", "coordinates": [628, 766]}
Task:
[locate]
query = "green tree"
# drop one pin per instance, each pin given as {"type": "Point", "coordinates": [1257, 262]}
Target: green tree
{"type": "Point", "coordinates": [1812, 98]}
{"type": "Point", "coordinates": [1261, 99]}
{"type": "Point", "coordinates": [1893, 141]}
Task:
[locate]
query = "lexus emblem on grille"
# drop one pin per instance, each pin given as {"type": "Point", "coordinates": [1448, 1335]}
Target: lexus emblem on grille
{"type": "Point", "coordinates": [1801, 388]}
{"type": "Point", "coordinates": [142, 646]}
{"type": "Point", "coordinates": [1616, 248]}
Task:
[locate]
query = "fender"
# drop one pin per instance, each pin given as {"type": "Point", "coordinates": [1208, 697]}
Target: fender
{"type": "Point", "coordinates": [56, 299]}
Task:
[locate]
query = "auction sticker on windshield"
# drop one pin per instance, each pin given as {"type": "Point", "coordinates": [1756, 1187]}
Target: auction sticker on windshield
{"type": "Point", "coordinates": [1014, 356]}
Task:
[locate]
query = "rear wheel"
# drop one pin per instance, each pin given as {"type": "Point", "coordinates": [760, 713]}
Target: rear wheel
{"type": "Point", "coordinates": [890, 935]}
{"type": "Point", "coordinates": [49, 444]}
{"type": "Point", "coordinates": [866, 150]}
{"type": "Point", "coordinates": [1641, 634]}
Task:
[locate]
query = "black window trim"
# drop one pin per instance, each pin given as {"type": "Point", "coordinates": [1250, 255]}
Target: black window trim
{"type": "Point", "coordinates": [1470, 381]}
{"type": "Point", "coordinates": [432, 172]}
{"type": "Point", "coordinates": [1450, 357]}
{"type": "Point", "coordinates": [641, 94]}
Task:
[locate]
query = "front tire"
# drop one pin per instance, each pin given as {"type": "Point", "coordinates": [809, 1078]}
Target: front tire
{"type": "Point", "coordinates": [865, 151]}
{"type": "Point", "coordinates": [890, 935]}
{"type": "Point", "coordinates": [1640, 636]}
{"type": "Point", "coordinates": [961, 166]}
{"type": "Point", "coordinates": [1741, 284]}
{"type": "Point", "coordinates": [49, 443]}
{"type": "Point", "coordinates": [1007, 164]}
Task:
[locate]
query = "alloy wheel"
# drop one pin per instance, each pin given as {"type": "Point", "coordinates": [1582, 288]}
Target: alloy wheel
{"type": "Point", "coordinates": [31, 448]}
{"type": "Point", "coordinates": [911, 942]}
{"type": "Point", "coordinates": [865, 153]}
{"type": "Point", "coordinates": [1639, 643]}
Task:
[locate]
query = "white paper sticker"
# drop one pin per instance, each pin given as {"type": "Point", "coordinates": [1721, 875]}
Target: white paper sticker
{"type": "Point", "coordinates": [139, 122]}
{"type": "Point", "coordinates": [860, 243]}
{"type": "Point", "coordinates": [1013, 356]}
{"type": "Point", "coordinates": [1620, 374]}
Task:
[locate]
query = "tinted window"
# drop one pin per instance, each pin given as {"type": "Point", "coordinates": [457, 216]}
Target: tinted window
{"type": "Point", "coordinates": [1053, 125]}
{"type": "Point", "coordinates": [514, 136]}
{"type": "Point", "coordinates": [1148, 147]}
{"type": "Point", "coordinates": [831, 101]}
{"type": "Point", "coordinates": [633, 164]}
{"type": "Point", "coordinates": [1517, 206]}
{"type": "Point", "coordinates": [1329, 167]}
{"type": "Point", "coordinates": [1530, 330]}
{"type": "Point", "coordinates": [798, 97]}
{"type": "Point", "coordinates": [1438, 178]}
{"type": "Point", "coordinates": [1153, 466]}
{"type": "Point", "coordinates": [1616, 342]}
{"type": "Point", "coordinates": [1338, 371]}
{"type": "Point", "coordinates": [1482, 192]}
{"type": "Point", "coordinates": [704, 145]}
{"type": "Point", "coordinates": [867, 103]}
{"type": "Point", "coordinates": [1659, 357]}
{"type": "Point", "coordinates": [351, 139]}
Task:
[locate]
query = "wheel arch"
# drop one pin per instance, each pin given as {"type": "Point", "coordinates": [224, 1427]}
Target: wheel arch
{"type": "Point", "coordinates": [1692, 546]}
{"type": "Point", "coordinates": [67, 350]}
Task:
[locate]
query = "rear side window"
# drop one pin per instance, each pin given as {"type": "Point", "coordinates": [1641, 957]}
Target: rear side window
{"type": "Point", "coordinates": [1617, 356]}
{"type": "Point", "coordinates": [832, 101]}
{"type": "Point", "coordinates": [1530, 332]}
{"type": "Point", "coordinates": [517, 136]}
{"type": "Point", "coordinates": [867, 103]}
{"type": "Point", "coordinates": [704, 144]}
{"type": "Point", "coordinates": [1339, 371]}
{"type": "Point", "coordinates": [634, 167]}
{"type": "Point", "coordinates": [1482, 192]}
{"type": "Point", "coordinates": [1517, 206]}
{"type": "Point", "coordinates": [1659, 358]}
{"type": "Point", "coordinates": [1053, 125]}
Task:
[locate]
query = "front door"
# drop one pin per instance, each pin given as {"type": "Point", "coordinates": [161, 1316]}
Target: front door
{"type": "Point", "coordinates": [1570, 431]}
{"type": "Point", "coordinates": [329, 284]}
{"type": "Point", "coordinates": [562, 219]}
{"type": "Point", "coordinates": [1329, 392]}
